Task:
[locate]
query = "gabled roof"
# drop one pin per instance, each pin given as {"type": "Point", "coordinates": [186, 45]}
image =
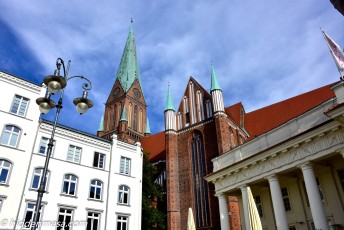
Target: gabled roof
{"type": "Point", "coordinates": [256, 122]}
{"type": "Point", "coordinates": [128, 70]}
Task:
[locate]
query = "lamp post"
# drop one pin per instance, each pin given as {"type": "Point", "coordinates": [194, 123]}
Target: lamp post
{"type": "Point", "coordinates": [55, 83]}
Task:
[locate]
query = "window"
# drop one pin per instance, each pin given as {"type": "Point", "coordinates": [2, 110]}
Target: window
{"type": "Point", "coordinates": [135, 118]}
{"type": "Point", "coordinates": [5, 167]}
{"type": "Point", "coordinates": [43, 145]}
{"type": "Point", "coordinates": [341, 177]}
{"type": "Point", "coordinates": [286, 200]}
{"type": "Point", "coordinates": [122, 222]}
{"type": "Point", "coordinates": [130, 111]}
{"type": "Point", "coordinates": [259, 205]}
{"type": "Point", "coordinates": [93, 220]}
{"type": "Point", "coordinates": [208, 108]}
{"type": "Point", "coordinates": [65, 218]}
{"type": "Point", "coordinates": [96, 189]}
{"type": "Point", "coordinates": [37, 177]}
{"type": "Point", "coordinates": [123, 195]}
{"type": "Point", "coordinates": [29, 215]}
{"type": "Point", "coordinates": [200, 185]}
{"type": "Point", "coordinates": [10, 136]}
{"type": "Point", "coordinates": [74, 154]}
{"type": "Point", "coordinates": [321, 192]}
{"type": "Point", "coordinates": [19, 105]}
{"type": "Point", "coordinates": [292, 227]}
{"type": "Point", "coordinates": [69, 185]}
{"type": "Point", "coordinates": [99, 160]}
{"type": "Point", "coordinates": [125, 166]}
{"type": "Point", "coordinates": [2, 199]}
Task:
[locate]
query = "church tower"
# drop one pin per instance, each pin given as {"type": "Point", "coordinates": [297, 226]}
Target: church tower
{"type": "Point", "coordinates": [172, 185]}
{"type": "Point", "coordinates": [125, 108]}
{"type": "Point", "coordinates": [222, 128]}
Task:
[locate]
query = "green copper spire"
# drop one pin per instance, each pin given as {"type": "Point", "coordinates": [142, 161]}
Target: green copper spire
{"type": "Point", "coordinates": [124, 115]}
{"type": "Point", "coordinates": [214, 83]}
{"type": "Point", "coordinates": [128, 70]}
{"type": "Point", "coordinates": [101, 124]}
{"type": "Point", "coordinates": [147, 130]}
{"type": "Point", "coordinates": [169, 102]}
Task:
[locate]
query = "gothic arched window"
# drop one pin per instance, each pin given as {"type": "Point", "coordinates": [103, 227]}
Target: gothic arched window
{"type": "Point", "coordinates": [200, 185]}
{"type": "Point", "coordinates": [135, 118]}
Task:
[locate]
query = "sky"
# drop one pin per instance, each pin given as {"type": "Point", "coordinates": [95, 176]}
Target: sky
{"type": "Point", "coordinates": [262, 53]}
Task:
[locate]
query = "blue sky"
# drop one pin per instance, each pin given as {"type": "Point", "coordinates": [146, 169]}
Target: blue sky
{"type": "Point", "coordinates": [263, 51]}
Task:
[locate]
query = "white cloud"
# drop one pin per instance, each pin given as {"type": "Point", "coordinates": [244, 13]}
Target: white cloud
{"type": "Point", "coordinates": [263, 52]}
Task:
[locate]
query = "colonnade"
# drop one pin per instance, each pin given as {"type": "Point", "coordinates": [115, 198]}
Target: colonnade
{"type": "Point", "coordinates": [281, 221]}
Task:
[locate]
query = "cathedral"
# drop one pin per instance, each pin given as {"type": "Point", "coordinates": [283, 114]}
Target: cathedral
{"type": "Point", "coordinates": [211, 156]}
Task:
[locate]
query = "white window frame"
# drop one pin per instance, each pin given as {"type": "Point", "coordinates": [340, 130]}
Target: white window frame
{"type": "Point", "coordinates": [285, 198]}
{"type": "Point", "coordinates": [64, 214]}
{"type": "Point", "coordinates": [44, 145]}
{"type": "Point", "coordinates": [21, 105]}
{"type": "Point", "coordinates": [2, 200]}
{"type": "Point", "coordinates": [69, 181]}
{"type": "Point", "coordinates": [122, 219]}
{"type": "Point", "coordinates": [97, 164]}
{"type": "Point", "coordinates": [125, 166]}
{"type": "Point", "coordinates": [122, 192]}
{"type": "Point", "coordinates": [32, 208]}
{"type": "Point", "coordinates": [96, 186]}
{"type": "Point", "coordinates": [92, 217]}
{"type": "Point", "coordinates": [40, 178]}
{"type": "Point", "coordinates": [74, 151]}
{"type": "Point", "coordinates": [8, 168]}
{"type": "Point", "coordinates": [11, 134]}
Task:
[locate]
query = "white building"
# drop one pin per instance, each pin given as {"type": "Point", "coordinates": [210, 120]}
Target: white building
{"type": "Point", "coordinates": [18, 122]}
{"type": "Point", "coordinates": [295, 170]}
{"type": "Point", "coordinates": [91, 180]}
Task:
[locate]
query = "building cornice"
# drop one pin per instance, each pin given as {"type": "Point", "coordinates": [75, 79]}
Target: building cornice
{"type": "Point", "coordinates": [307, 147]}
{"type": "Point", "coordinates": [20, 82]}
{"type": "Point", "coordinates": [76, 136]}
{"type": "Point", "coordinates": [286, 131]}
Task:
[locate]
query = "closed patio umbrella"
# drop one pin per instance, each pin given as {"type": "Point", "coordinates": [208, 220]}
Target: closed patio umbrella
{"type": "Point", "coordinates": [253, 212]}
{"type": "Point", "coordinates": [191, 222]}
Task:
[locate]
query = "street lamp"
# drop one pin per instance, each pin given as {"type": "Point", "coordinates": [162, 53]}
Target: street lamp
{"type": "Point", "coordinates": [55, 83]}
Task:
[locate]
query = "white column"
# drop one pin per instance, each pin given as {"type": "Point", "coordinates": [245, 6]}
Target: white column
{"type": "Point", "coordinates": [223, 207]}
{"type": "Point", "coordinates": [313, 194]}
{"type": "Point", "coordinates": [277, 202]}
{"type": "Point", "coordinates": [245, 205]}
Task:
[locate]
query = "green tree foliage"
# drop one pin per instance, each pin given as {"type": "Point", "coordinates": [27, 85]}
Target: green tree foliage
{"type": "Point", "coordinates": [152, 218]}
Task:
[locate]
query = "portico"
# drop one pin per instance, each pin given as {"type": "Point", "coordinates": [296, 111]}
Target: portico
{"type": "Point", "coordinates": [295, 172]}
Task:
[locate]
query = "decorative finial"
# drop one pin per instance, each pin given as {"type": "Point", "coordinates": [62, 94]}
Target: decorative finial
{"type": "Point", "coordinates": [168, 83]}
{"type": "Point", "coordinates": [131, 20]}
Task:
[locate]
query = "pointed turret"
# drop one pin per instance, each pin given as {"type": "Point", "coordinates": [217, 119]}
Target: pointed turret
{"type": "Point", "coordinates": [170, 119]}
{"type": "Point", "coordinates": [128, 70]}
{"type": "Point", "coordinates": [214, 82]}
{"type": "Point", "coordinates": [101, 127]}
{"type": "Point", "coordinates": [123, 124]}
{"type": "Point", "coordinates": [124, 115]}
{"type": "Point", "coordinates": [216, 93]}
{"type": "Point", "coordinates": [147, 129]}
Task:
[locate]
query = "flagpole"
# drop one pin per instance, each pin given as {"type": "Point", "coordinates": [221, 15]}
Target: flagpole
{"type": "Point", "coordinates": [328, 45]}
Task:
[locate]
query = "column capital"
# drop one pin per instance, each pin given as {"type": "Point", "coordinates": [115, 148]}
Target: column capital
{"type": "Point", "coordinates": [341, 152]}
{"type": "Point", "coordinates": [307, 165]}
{"type": "Point", "coordinates": [244, 187]}
{"type": "Point", "coordinates": [220, 195]}
{"type": "Point", "coordinates": [272, 177]}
